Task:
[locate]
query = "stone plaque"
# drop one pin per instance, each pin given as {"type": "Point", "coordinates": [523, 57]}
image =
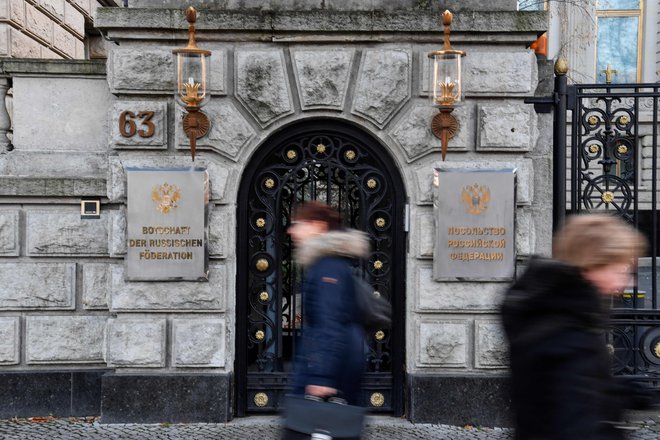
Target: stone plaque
{"type": "Point", "coordinates": [474, 213]}
{"type": "Point", "coordinates": [167, 224]}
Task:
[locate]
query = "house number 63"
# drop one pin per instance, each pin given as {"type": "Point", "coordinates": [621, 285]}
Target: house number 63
{"type": "Point", "coordinates": [128, 127]}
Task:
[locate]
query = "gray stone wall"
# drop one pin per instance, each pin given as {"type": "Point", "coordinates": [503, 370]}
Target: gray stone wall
{"type": "Point", "coordinates": [63, 297]}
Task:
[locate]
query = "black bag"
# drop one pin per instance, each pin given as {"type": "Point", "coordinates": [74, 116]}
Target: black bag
{"type": "Point", "coordinates": [375, 311]}
{"type": "Point", "coordinates": [307, 417]}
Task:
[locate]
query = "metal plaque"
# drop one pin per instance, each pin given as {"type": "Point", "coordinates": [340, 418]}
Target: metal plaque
{"type": "Point", "coordinates": [167, 224]}
{"type": "Point", "coordinates": [474, 212]}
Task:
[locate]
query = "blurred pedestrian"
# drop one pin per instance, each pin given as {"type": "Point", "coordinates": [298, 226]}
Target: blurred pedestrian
{"type": "Point", "coordinates": [331, 359]}
{"type": "Point", "coordinates": [555, 317]}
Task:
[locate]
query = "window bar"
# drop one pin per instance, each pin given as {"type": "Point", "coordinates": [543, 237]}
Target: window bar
{"type": "Point", "coordinates": [637, 145]}
{"type": "Point", "coordinates": [654, 207]}
{"type": "Point", "coordinates": [576, 181]}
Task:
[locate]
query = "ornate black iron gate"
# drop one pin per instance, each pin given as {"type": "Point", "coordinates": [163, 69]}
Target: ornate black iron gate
{"type": "Point", "coordinates": [612, 166]}
{"type": "Point", "coordinates": [338, 164]}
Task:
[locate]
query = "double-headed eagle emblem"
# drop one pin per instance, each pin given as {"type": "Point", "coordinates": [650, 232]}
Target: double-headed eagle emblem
{"type": "Point", "coordinates": [166, 197]}
{"type": "Point", "coordinates": [476, 198]}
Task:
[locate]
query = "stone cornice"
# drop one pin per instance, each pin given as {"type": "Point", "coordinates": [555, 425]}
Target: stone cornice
{"type": "Point", "coordinates": [132, 23]}
{"type": "Point", "coordinates": [17, 66]}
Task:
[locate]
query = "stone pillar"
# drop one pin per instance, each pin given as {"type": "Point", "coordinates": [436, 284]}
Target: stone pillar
{"type": "Point", "coordinates": [5, 120]}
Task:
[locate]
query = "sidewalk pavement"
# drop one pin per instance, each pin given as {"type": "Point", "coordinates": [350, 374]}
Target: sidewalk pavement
{"type": "Point", "coordinates": [646, 426]}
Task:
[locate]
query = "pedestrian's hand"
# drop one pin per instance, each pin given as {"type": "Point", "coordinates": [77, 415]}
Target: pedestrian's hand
{"type": "Point", "coordinates": [320, 391]}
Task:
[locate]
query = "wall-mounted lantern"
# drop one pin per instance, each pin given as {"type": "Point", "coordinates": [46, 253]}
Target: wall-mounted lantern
{"type": "Point", "coordinates": [445, 86]}
{"type": "Point", "coordinates": [192, 81]}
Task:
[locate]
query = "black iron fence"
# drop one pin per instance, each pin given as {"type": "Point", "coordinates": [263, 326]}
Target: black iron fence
{"type": "Point", "coordinates": [606, 159]}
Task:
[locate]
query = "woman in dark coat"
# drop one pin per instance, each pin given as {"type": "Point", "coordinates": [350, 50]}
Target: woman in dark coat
{"type": "Point", "coordinates": [555, 318]}
{"type": "Point", "coordinates": [331, 359]}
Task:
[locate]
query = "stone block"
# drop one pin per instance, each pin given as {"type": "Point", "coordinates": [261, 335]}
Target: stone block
{"type": "Point", "coordinates": [167, 397]}
{"type": "Point", "coordinates": [65, 233]}
{"type": "Point", "coordinates": [61, 114]}
{"type": "Point", "coordinates": [38, 23]}
{"type": "Point", "coordinates": [10, 340]}
{"type": "Point", "coordinates": [198, 342]}
{"type": "Point", "coordinates": [17, 11]}
{"type": "Point", "coordinates": [136, 342]}
{"type": "Point", "coordinates": [383, 84]}
{"type": "Point", "coordinates": [95, 286]}
{"type": "Point", "coordinates": [75, 173]}
{"type": "Point", "coordinates": [433, 296]}
{"type": "Point", "coordinates": [490, 345]}
{"type": "Point", "coordinates": [229, 135]}
{"type": "Point", "coordinates": [118, 233]}
{"type": "Point", "coordinates": [9, 246]}
{"type": "Point", "coordinates": [219, 175]}
{"type": "Point", "coordinates": [322, 85]}
{"type": "Point", "coordinates": [65, 187]}
{"type": "Point", "coordinates": [525, 233]}
{"type": "Point", "coordinates": [23, 46]}
{"type": "Point", "coordinates": [175, 296]}
{"type": "Point", "coordinates": [425, 233]}
{"type": "Point", "coordinates": [524, 167]}
{"type": "Point", "coordinates": [443, 343]}
{"type": "Point", "coordinates": [53, 7]}
{"type": "Point", "coordinates": [65, 339]}
{"type": "Point", "coordinates": [506, 127]}
{"type": "Point", "coordinates": [461, 398]}
{"type": "Point", "coordinates": [139, 124]}
{"type": "Point", "coordinates": [150, 70]}
{"type": "Point", "coordinates": [37, 286]}
{"type": "Point", "coordinates": [497, 76]}
{"type": "Point", "coordinates": [5, 9]}
{"type": "Point", "coordinates": [64, 41]}
{"type": "Point", "coordinates": [220, 238]}
{"type": "Point", "coordinates": [74, 20]}
{"type": "Point", "coordinates": [80, 50]}
{"type": "Point", "coordinates": [414, 136]}
{"type": "Point", "coordinates": [48, 54]}
{"type": "Point", "coordinates": [5, 46]}
{"type": "Point", "coordinates": [262, 84]}
{"type": "Point", "coordinates": [83, 6]}
{"type": "Point", "coordinates": [486, 72]}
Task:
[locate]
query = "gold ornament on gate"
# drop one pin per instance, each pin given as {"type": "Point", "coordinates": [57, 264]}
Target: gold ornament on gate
{"type": "Point", "coordinates": [377, 400]}
{"type": "Point", "coordinates": [607, 197]}
{"type": "Point", "coordinates": [350, 155]}
{"type": "Point", "coordinates": [261, 399]}
{"type": "Point", "coordinates": [263, 296]}
{"type": "Point", "coordinates": [260, 222]}
{"type": "Point", "coordinates": [166, 197]}
{"type": "Point", "coordinates": [622, 149]}
{"type": "Point", "coordinates": [380, 335]}
{"type": "Point", "coordinates": [259, 335]}
{"type": "Point", "coordinates": [262, 265]}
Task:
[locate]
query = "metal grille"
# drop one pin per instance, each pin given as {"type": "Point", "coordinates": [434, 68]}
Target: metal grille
{"type": "Point", "coordinates": [340, 166]}
{"type": "Point", "coordinates": [613, 160]}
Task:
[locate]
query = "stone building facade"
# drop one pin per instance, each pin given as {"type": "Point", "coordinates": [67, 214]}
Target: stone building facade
{"type": "Point", "coordinates": [50, 29]}
{"type": "Point", "coordinates": [77, 338]}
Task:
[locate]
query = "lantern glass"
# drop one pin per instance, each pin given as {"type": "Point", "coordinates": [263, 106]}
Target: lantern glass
{"type": "Point", "coordinates": [445, 84]}
{"type": "Point", "coordinates": [192, 78]}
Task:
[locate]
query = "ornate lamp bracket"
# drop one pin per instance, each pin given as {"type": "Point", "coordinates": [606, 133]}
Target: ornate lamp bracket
{"type": "Point", "coordinates": [444, 126]}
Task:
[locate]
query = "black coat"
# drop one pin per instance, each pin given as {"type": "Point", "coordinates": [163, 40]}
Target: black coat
{"type": "Point", "coordinates": [331, 350]}
{"type": "Point", "coordinates": [562, 388]}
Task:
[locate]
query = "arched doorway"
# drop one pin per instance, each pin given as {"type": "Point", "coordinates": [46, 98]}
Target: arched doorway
{"type": "Point", "coordinates": [339, 164]}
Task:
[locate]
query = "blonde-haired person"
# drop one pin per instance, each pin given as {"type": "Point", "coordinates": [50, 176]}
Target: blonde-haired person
{"type": "Point", "coordinates": [555, 317]}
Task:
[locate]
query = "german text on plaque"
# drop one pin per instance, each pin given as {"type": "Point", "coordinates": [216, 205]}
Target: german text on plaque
{"type": "Point", "coordinates": [167, 224]}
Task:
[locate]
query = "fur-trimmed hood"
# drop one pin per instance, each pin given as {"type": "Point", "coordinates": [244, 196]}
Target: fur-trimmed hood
{"type": "Point", "coordinates": [349, 243]}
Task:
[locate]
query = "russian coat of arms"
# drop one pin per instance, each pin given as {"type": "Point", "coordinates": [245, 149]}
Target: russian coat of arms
{"type": "Point", "coordinates": [166, 197]}
{"type": "Point", "coordinates": [476, 198]}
